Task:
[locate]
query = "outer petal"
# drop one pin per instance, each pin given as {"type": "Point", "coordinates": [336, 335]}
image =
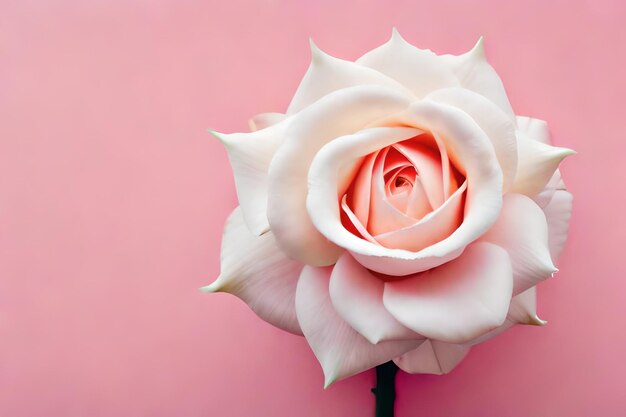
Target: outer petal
{"type": "Point", "coordinates": [536, 164]}
{"type": "Point", "coordinates": [545, 196]}
{"type": "Point", "coordinates": [421, 71]}
{"type": "Point", "coordinates": [339, 113]}
{"type": "Point", "coordinates": [327, 74]}
{"type": "Point", "coordinates": [474, 73]}
{"type": "Point", "coordinates": [535, 129]}
{"type": "Point", "coordinates": [521, 311]}
{"type": "Point", "coordinates": [263, 120]}
{"type": "Point", "coordinates": [341, 351]}
{"type": "Point", "coordinates": [357, 296]}
{"type": "Point", "coordinates": [457, 301]}
{"type": "Point", "coordinates": [522, 230]}
{"type": "Point", "coordinates": [256, 271]}
{"type": "Point", "coordinates": [466, 140]}
{"type": "Point", "coordinates": [492, 120]}
{"type": "Point", "coordinates": [432, 357]}
{"type": "Point", "coordinates": [558, 213]}
{"type": "Point", "coordinates": [250, 155]}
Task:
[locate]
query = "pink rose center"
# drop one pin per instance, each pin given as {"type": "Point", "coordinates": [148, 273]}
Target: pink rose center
{"type": "Point", "coordinates": [408, 195]}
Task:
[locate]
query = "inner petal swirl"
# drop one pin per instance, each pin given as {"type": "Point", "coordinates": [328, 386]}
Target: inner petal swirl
{"type": "Point", "coordinates": [405, 196]}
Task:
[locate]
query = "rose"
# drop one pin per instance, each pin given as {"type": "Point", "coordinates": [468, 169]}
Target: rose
{"type": "Point", "coordinates": [398, 210]}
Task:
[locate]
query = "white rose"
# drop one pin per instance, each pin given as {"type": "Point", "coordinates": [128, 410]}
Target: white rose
{"type": "Point", "coordinates": [398, 210]}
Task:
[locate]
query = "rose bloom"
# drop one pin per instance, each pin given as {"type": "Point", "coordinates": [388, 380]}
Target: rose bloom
{"type": "Point", "coordinates": [399, 210]}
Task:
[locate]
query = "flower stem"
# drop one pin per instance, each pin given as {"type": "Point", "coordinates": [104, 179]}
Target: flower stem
{"type": "Point", "coordinates": [385, 390]}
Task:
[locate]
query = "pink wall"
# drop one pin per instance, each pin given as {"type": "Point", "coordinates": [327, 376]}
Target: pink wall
{"type": "Point", "coordinates": [113, 197]}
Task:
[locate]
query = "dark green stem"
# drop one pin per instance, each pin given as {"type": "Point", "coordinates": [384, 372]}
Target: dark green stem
{"type": "Point", "coordinates": [385, 390]}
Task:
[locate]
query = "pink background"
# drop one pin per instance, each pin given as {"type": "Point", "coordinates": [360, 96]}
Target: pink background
{"type": "Point", "coordinates": [113, 197]}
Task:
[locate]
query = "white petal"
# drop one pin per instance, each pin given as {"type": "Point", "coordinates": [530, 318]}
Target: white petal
{"type": "Point", "coordinates": [536, 164]}
{"type": "Point", "coordinates": [432, 357]}
{"type": "Point", "coordinates": [458, 301]}
{"type": "Point", "coordinates": [474, 73]}
{"type": "Point", "coordinates": [357, 296]}
{"type": "Point", "coordinates": [256, 271]}
{"type": "Point", "coordinates": [558, 213]}
{"type": "Point", "coordinates": [263, 120]}
{"type": "Point", "coordinates": [536, 129]}
{"type": "Point", "coordinates": [341, 351]}
{"type": "Point", "coordinates": [250, 155]}
{"type": "Point", "coordinates": [327, 74]}
{"type": "Point", "coordinates": [421, 71]}
{"type": "Point", "coordinates": [466, 140]}
{"type": "Point", "coordinates": [545, 196]}
{"type": "Point", "coordinates": [522, 230]}
{"type": "Point", "coordinates": [523, 308]}
{"type": "Point", "coordinates": [339, 113]}
{"type": "Point", "coordinates": [521, 311]}
{"type": "Point", "coordinates": [492, 120]}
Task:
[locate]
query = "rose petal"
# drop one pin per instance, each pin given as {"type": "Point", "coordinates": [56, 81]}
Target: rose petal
{"type": "Point", "coordinates": [558, 213]}
{"type": "Point", "coordinates": [362, 189]}
{"type": "Point", "coordinates": [421, 71]}
{"type": "Point", "coordinates": [474, 73]}
{"type": "Point", "coordinates": [263, 120]}
{"type": "Point", "coordinates": [394, 160]}
{"type": "Point", "coordinates": [536, 164]}
{"type": "Point", "coordinates": [428, 165]}
{"type": "Point", "coordinates": [327, 74]}
{"type": "Point", "coordinates": [431, 229]}
{"type": "Point", "coordinates": [340, 350]}
{"type": "Point", "coordinates": [432, 357]}
{"type": "Point", "coordinates": [358, 226]}
{"type": "Point", "coordinates": [418, 205]}
{"type": "Point", "coordinates": [476, 155]}
{"type": "Point", "coordinates": [521, 311]}
{"type": "Point", "coordinates": [250, 155]}
{"type": "Point", "coordinates": [256, 271]}
{"type": "Point", "coordinates": [357, 296]}
{"type": "Point", "coordinates": [383, 216]}
{"type": "Point", "coordinates": [339, 113]}
{"type": "Point", "coordinates": [545, 196]}
{"type": "Point", "coordinates": [522, 230]}
{"type": "Point", "coordinates": [492, 120]}
{"type": "Point", "coordinates": [458, 301]}
{"type": "Point", "coordinates": [535, 129]}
